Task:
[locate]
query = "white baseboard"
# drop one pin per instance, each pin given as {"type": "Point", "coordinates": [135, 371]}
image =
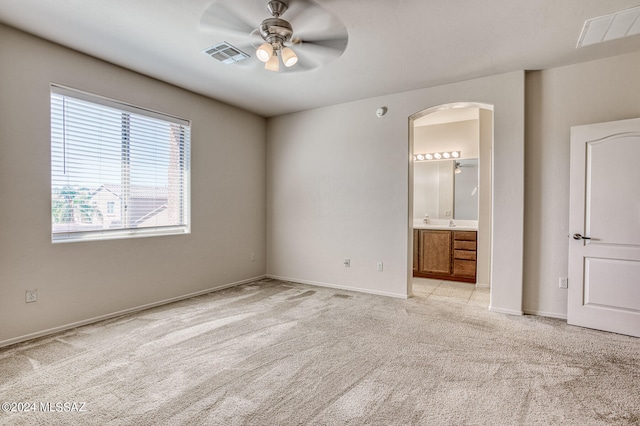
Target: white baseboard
{"type": "Point", "coordinates": [123, 312]}
{"type": "Point", "coordinates": [340, 287]}
{"type": "Point", "coordinates": [545, 314]}
{"type": "Point", "coordinates": [505, 311]}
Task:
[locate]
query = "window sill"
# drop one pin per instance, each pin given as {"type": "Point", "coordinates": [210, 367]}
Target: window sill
{"type": "Point", "coordinates": [120, 234]}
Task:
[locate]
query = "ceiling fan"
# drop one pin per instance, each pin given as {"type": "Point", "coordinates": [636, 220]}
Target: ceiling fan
{"type": "Point", "coordinates": [319, 36]}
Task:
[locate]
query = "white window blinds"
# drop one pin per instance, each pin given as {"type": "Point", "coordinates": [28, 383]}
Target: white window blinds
{"type": "Point", "coordinates": [116, 170]}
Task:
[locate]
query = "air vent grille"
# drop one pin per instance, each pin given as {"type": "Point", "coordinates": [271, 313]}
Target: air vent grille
{"type": "Point", "coordinates": [225, 53]}
{"type": "Point", "coordinates": [610, 27]}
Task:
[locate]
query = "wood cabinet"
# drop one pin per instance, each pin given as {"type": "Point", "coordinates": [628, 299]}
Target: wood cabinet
{"type": "Point", "coordinates": [416, 242]}
{"type": "Point", "coordinates": [444, 254]}
{"type": "Point", "coordinates": [434, 252]}
{"type": "Point", "coordinates": [464, 254]}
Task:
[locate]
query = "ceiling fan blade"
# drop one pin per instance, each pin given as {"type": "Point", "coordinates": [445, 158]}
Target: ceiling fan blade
{"type": "Point", "coordinates": [301, 66]}
{"type": "Point", "coordinates": [218, 17]}
{"type": "Point", "coordinates": [312, 23]}
{"type": "Point", "coordinates": [298, 7]}
{"type": "Point", "coordinates": [308, 59]}
{"type": "Point", "coordinates": [249, 63]}
{"type": "Point", "coordinates": [327, 49]}
{"type": "Point", "coordinates": [248, 45]}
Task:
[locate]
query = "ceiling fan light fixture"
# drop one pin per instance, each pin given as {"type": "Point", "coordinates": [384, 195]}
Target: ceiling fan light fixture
{"type": "Point", "coordinates": [273, 64]}
{"type": "Point", "coordinates": [289, 57]}
{"type": "Point", "coordinates": [264, 52]}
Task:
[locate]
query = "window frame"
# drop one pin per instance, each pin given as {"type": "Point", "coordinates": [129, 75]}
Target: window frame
{"type": "Point", "coordinates": [124, 233]}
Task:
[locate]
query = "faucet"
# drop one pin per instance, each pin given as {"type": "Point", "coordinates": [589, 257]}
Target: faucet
{"type": "Point", "coordinates": [451, 224]}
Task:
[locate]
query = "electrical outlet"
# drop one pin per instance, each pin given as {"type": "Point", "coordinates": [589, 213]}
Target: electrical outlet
{"type": "Point", "coordinates": [380, 266]}
{"type": "Point", "coordinates": [253, 257]}
{"type": "Point", "coordinates": [563, 282]}
{"type": "Point", "coordinates": [31, 296]}
{"type": "Point", "coordinates": [347, 263]}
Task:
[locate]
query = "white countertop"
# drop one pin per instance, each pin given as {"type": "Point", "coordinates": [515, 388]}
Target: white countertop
{"type": "Point", "coordinates": [461, 225]}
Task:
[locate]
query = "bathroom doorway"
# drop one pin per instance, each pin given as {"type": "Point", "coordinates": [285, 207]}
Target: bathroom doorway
{"type": "Point", "coordinates": [450, 199]}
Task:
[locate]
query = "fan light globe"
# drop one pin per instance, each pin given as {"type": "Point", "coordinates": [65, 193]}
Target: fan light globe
{"type": "Point", "coordinates": [264, 52]}
{"type": "Point", "coordinates": [289, 57]}
{"type": "Point", "coordinates": [273, 64]}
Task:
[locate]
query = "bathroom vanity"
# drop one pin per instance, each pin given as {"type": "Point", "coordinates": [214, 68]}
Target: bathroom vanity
{"type": "Point", "coordinates": [445, 253]}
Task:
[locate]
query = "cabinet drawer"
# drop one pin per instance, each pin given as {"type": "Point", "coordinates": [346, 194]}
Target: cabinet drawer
{"type": "Point", "coordinates": [464, 245]}
{"type": "Point", "coordinates": [464, 268]}
{"type": "Point", "coordinates": [464, 254]}
{"type": "Point", "coordinates": [464, 235]}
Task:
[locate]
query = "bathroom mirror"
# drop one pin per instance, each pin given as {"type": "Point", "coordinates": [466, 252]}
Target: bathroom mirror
{"type": "Point", "coordinates": [446, 189]}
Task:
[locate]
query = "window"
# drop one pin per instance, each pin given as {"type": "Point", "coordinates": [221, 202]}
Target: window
{"type": "Point", "coordinates": [117, 171]}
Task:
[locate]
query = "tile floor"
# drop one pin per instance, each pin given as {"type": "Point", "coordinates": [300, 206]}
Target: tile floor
{"type": "Point", "coordinates": [450, 291]}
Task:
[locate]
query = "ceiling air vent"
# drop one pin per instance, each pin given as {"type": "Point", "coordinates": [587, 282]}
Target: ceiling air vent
{"type": "Point", "coordinates": [225, 53]}
{"type": "Point", "coordinates": [610, 27]}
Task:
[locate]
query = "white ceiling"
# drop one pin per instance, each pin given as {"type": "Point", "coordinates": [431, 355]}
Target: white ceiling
{"type": "Point", "coordinates": [394, 45]}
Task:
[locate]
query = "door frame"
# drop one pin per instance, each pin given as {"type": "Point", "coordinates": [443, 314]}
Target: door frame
{"type": "Point", "coordinates": [412, 119]}
{"type": "Point", "coordinates": [580, 310]}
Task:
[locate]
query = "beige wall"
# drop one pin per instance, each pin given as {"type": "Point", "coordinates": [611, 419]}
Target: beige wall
{"type": "Point", "coordinates": [485, 203]}
{"type": "Point", "coordinates": [592, 92]}
{"type": "Point", "coordinates": [338, 187]}
{"type": "Point", "coordinates": [459, 135]}
{"type": "Point", "coordinates": [334, 190]}
{"type": "Point", "coordinates": [80, 281]}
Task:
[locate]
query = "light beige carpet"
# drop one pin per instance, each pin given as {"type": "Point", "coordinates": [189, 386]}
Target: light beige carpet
{"type": "Point", "coordinates": [278, 353]}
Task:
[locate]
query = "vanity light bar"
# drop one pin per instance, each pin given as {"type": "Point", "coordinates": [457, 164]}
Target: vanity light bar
{"type": "Point", "coordinates": [436, 156]}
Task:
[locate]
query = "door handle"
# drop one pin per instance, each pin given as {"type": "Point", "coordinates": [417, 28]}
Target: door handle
{"type": "Point", "coordinates": [580, 237]}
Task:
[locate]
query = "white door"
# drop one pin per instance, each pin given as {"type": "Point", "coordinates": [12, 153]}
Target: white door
{"type": "Point", "coordinates": [604, 266]}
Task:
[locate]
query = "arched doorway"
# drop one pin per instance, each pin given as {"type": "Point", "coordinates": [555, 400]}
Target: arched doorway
{"type": "Point", "coordinates": [463, 130]}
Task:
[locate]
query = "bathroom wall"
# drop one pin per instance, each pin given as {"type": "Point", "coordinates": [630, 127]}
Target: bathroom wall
{"type": "Point", "coordinates": [460, 136]}
{"type": "Point", "coordinates": [456, 136]}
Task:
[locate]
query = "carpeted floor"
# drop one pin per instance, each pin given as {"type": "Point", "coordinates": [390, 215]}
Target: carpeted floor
{"type": "Point", "coordinates": [279, 353]}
